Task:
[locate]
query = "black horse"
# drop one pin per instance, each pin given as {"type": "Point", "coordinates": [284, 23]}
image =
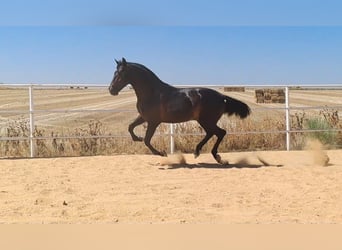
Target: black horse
{"type": "Point", "coordinates": [159, 102]}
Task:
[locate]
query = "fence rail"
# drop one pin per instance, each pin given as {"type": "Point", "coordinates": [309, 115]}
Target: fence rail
{"type": "Point", "coordinates": [31, 111]}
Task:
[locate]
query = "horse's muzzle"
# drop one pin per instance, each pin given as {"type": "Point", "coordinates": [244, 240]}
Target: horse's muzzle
{"type": "Point", "coordinates": [112, 91]}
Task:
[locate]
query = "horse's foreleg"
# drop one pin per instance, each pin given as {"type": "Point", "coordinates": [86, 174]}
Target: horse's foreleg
{"type": "Point", "coordinates": [139, 120]}
{"type": "Point", "coordinates": [151, 128]}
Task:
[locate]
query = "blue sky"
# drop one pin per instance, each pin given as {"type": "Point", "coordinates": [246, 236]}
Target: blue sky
{"type": "Point", "coordinates": [191, 42]}
{"type": "Point", "coordinates": [171, 12]}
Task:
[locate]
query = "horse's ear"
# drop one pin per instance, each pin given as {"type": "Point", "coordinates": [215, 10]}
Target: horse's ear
{"type": "Point", "coordinates": [124, 63]}
{"type": "Point", "coordinates": [117, 62]}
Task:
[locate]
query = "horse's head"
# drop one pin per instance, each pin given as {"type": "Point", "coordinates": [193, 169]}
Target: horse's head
{"type": "Point", "coordinates": [120, 79]}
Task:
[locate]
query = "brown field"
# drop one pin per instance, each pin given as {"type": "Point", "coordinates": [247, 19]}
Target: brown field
{"type": "Point", "coordinates": [123, 105]}
{"type": "Point", "coordinates": [291, 188]}
{"type": "Point", "coordinates": [120, 111]}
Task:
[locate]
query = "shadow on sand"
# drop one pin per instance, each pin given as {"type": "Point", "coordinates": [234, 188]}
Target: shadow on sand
{"type": "Point", "coordinates": [215, 166]}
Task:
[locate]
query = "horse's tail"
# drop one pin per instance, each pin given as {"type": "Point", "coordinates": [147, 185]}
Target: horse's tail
{"type": "Point", "coordinates": [236, 107]}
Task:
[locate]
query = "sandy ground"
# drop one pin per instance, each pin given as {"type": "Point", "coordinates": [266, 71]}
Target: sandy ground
{"type": "Point", "coordinates": [291, 187]}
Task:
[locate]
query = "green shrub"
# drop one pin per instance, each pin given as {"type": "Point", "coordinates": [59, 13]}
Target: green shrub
{"type": "Point", "coordinates": [325, 137]}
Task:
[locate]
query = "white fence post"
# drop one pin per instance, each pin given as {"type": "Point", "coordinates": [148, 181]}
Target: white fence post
{"type": "Point", "coordinates": [32, 149]}
{"type": "Point", "coordinates": [172, 138]}
{"type": "Point", "coordinates": [287, 117]}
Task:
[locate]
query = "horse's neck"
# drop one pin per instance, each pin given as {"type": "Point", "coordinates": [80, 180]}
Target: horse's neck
{"type": "Point", "coordinates": [147, 91]}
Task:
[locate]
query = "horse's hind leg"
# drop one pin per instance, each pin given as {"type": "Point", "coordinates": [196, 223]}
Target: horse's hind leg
{"type": "Point", "coordinates": [139, 120]}
{"type": "Point", "coordinates": [212, 129]}
{"type": "Point", "coordinates": [220, 133]}
{"type": "Point", "coordinates": [209, 133]}
{"type": "Point", "coordinates": [201, 144]}
{"type": "Point", "coordinates": [151, 128]}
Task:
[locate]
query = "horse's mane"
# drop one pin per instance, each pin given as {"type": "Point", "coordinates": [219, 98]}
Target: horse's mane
{"type": "Point", "coordinates": [144, 68]}
{"type": "Point", "coordinates": [154, 79]}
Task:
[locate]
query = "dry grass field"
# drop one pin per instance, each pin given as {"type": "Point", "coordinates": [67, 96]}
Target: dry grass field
{"type": "Point", "coordinates": [119, 111]}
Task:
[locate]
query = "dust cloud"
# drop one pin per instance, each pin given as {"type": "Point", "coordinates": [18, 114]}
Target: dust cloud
{"type": "Point", "coordinates": [318, 154]}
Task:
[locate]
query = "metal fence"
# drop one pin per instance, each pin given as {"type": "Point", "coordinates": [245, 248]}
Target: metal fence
{"type": "Point", "coordinates": [287, 107]}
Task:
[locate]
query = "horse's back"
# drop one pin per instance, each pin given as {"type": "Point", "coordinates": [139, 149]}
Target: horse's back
{"type": "Point", "coordinates": [184, 104]}
{"type": "Point", "coordinates": [179, 105]}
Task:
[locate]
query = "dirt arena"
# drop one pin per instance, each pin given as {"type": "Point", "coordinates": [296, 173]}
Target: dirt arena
{"type": "Point", "coordinates": [257, 187]}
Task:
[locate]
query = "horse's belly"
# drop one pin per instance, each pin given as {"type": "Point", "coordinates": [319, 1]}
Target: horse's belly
{"type": "Point", "coordinates": [178, 116]}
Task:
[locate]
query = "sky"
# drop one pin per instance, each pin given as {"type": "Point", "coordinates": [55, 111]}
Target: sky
{"type": "Point", "coordinates": [183, 42]}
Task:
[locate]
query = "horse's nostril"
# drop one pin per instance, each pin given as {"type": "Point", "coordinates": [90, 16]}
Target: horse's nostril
{"type": "Point", "coordinates": [112, 92]}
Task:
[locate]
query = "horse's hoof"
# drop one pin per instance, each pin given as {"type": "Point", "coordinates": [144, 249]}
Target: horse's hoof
{"type": "Point", "coordinates": [138, 138]}
{"type": "Point", "coordinates": [196, 155]}
{"type": "Point", "coordinates": [163, 154]}
{"type": "Point", "coordinates": [219, 160]}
